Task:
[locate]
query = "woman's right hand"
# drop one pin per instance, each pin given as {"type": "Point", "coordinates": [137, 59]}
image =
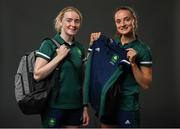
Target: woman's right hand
{"type": "Point", "coordinates": [62, 51]}
{"type": "Point", "coordinates": [86, 117]}
{"type": "Point", "coordinates": [94, 36]}
{"type": "Point", "coordinates": [43, 68]}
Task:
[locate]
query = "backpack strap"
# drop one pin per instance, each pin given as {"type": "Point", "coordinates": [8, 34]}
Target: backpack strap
{"type": "Point", "coordinates": [53, 40]}
{"type": "Point", "coordinates": [56, 75]}
{"type": "Point", "coordinates": [56, 72]}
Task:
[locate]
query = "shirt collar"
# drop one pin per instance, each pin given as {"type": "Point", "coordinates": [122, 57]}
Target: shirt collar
{"type": "Point", "coordinates": [61, 40]}
{"type": "Point", "coordinates": [127, 45]}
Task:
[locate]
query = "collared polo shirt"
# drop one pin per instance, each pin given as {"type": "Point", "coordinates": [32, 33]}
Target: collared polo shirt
{"type": "Point", "coordinates": [70, 82]}
{"type": "Point", "coordinates": [130, 89]}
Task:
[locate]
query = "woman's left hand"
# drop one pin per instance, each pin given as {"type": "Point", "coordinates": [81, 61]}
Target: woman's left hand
{"type": "Point", "coordinates": [131, 55]}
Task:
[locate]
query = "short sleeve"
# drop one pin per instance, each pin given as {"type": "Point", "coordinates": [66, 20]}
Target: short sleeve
{"type": "Point", "coordinates": [46, 50]}
{"type": "Point", "coordinates": [83, 52]}
{"type": "Point", "coordinates": [81, 47]}
{"type": "Point", "coordinates": [145, 56]}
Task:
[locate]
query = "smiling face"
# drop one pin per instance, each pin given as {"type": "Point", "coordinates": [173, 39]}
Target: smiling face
{"type": "Point", "coordinates": [70, 23]}
{"type": "Point", "coordinates": [125, 22]}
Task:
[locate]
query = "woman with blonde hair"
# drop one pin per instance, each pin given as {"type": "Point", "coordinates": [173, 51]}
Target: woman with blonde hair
{"type": "Point", "coordinates": [66, 109]}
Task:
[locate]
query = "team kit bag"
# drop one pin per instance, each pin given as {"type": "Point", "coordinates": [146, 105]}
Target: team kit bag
{"type": "Point", "coordinates": [32, 95]}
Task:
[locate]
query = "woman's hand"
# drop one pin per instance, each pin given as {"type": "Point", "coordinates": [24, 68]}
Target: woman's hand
{"type": "Point", "coordinates": [62, 51]}
{"type": "Point", "coordinates": [85, 116]}
{"type": "Point", "coordinates": [131, 55]}
{"type": "Point", "coordinates": [94, 36]}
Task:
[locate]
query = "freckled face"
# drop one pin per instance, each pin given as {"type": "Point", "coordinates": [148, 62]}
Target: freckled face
{"type": "Point", "coordinates": [70, 23]}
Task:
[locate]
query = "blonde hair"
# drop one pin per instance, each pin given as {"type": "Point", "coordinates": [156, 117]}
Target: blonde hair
{"type": "Point", "coordinates": [60, 16]}
{"type": "Point", "coordinates": [131, 10]}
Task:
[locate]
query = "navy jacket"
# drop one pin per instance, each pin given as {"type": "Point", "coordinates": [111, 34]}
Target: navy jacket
{"type": "Point", "coordinates": [103, 68]}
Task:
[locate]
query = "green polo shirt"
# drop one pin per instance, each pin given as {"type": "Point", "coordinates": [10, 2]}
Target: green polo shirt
{"type": "Point", "coordinates": [129, 87]}
{"type": "Point", "coordinates": [70, 82]}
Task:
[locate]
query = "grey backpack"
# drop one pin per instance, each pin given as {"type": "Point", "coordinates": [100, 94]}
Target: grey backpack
{"type": "Point", "coordinates": [32, 96]}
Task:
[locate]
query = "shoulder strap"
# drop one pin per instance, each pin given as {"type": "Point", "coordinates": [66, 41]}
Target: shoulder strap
{"type": "Point", "coordinates": [56, 75]}
{"type": "Point", "coordinates": [53, 40]}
